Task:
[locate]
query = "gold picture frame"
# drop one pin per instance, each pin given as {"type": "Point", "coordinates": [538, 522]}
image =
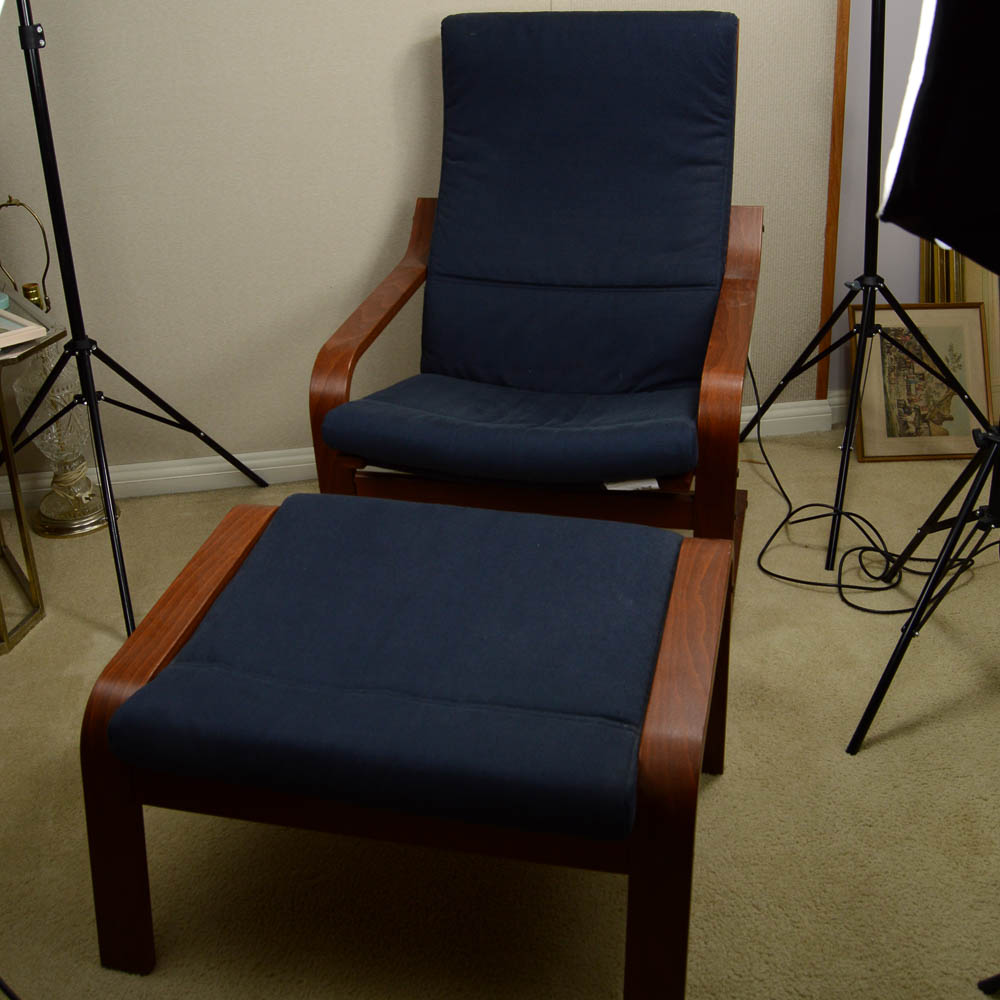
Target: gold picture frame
{"type": "Point", "coordinates": [907, 413]}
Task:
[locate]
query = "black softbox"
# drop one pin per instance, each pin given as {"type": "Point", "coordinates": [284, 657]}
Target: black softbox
{"type": "Point", "coordinates": [942, 172]}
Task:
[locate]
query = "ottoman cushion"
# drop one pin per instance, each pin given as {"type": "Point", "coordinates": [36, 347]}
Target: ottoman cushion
{"type": "Point", "coordinates": [474, 664]}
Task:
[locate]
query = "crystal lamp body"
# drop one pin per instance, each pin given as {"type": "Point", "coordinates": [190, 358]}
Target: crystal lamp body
{"type": "Point", "coordinates": [73, 505]}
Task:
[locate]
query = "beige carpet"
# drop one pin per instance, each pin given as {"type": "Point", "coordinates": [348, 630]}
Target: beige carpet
{"type": "Point", "coordinates": [818, 875]}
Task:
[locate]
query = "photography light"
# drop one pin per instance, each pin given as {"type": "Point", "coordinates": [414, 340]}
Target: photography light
{"type": "Point", "coordinates": [938, 185]}
{"type": "Point", "coordinates": [870, 285]}
{"type": "Point", "coordinates": [939, 177]}
{"type": "Point", "coordinates": [79, 347]}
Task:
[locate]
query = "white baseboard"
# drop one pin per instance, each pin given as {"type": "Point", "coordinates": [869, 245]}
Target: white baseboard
{"type": "Point", "coordinates": [838, 401]}
{"type": "Point", "coordinates": [801, 417]}
{"type": "Point", "coordinates": [192, 475]}
{"type": "Point", "coordinates": [182, 476]}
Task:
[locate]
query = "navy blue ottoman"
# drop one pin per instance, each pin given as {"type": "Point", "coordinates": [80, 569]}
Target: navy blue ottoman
{"type": "Point", "coordinates": [516, 684]}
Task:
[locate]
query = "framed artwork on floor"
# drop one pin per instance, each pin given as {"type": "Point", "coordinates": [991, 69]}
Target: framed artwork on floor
{"type": "Point", "coordinates": [907, 413]}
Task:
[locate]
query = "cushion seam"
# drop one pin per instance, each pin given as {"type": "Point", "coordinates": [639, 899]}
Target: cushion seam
{"type": "Point", "coordinates": [548, 285]}
{"type": "Point", "coordinates": [577, 717]}
{"type": "Point", "coordinates": [560, 429]}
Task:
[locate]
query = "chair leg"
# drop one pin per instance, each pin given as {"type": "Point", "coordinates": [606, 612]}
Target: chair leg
{"type": "Point", "coordinates": [335, 472]}
{"type": "Point", "coordinates": [659, 911]}
{"type": "Point", "coordinates": [715, 739]}
{"type": "Point", "coordinates": [118, 870]}
{"type": "Point", "coordinates": [738, 522]}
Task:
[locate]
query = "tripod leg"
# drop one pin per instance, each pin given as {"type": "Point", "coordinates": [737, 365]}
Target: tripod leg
{"type": "Point", "coordinates": [90, 400]}
{"type": "Point", "coordinates": [800, 364]}
{"type": "Point", "coordinates": [865, 334]}
{"type": "Point", "coordinates": [927, 594]}
{"type": "Point", "coordinates": [934, 522]}
{"type": "Point", "coordinates": [943, 372]}
{"type": "Point", "coordinates": [183, 421]}
{"type": "Point", "coordinates": [43, 390]}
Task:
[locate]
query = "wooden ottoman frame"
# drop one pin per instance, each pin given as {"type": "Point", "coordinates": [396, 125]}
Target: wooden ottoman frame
{"type": "Point", "coordinates": [683, 734]}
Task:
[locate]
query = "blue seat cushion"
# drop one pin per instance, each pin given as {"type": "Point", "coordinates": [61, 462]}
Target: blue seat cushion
{"type": "Point", "coordinates": [451, 426]}
{"type": "Point", "coordinates": [481, 665]}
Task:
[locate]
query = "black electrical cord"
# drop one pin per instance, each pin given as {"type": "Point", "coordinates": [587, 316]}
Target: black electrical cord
{"type": "Point", "coordinates": [875, 548]}
{"type": "Point", "coordinates": [7, 991]}
{"type": "Point", "coordinates": [990, 986]}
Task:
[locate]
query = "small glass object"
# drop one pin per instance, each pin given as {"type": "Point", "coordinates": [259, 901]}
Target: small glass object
{"type": "Point", "coordinates": [73, 505]}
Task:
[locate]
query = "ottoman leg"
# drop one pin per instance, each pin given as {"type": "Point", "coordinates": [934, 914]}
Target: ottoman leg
{"type": "Point", "coordinates": [114, 813]}
{"type": "Point", "coordinates": [685, 711]}
{"type": "Point", "coordinates": [714, 760]}
{"type": "Point", "coordinates": [118, 870]}
{"type": "Point", "coordinates": [659, 911]}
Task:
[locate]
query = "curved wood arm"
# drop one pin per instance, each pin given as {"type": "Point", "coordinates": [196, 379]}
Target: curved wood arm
{"type": "Point", "coordinates": [334, 367]}
{"type": "Point", "coordinates": [673, 735]}
{"type": "Point", "coordinates": [670, 762]}
{"type": "Point", "coordinates": [171, 621]}
{"type": "Point", "coordinates": [721, 398]}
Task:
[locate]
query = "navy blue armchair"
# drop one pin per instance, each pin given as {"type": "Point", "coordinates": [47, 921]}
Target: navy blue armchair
{"type": "Point", "coordinates": [589, 287]}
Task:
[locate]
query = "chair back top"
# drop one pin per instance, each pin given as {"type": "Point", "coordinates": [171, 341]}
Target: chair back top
{"type": "Point", "coordinates": [583, 211]}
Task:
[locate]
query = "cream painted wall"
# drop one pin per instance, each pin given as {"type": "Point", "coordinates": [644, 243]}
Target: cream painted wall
{"type": "Point", "coordinates": [238, 176]}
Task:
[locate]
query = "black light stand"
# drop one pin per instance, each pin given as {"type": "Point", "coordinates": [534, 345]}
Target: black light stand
{"type": "Point", "coordinates": [870, 284]}
{"type": "Point", "coordinates": [79, 346]}
{"type": "Point", "coordinates": [956, 553]}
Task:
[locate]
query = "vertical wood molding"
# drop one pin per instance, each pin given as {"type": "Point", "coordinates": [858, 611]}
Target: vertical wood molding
{"type": "Point", "coordinates": [833, 184]}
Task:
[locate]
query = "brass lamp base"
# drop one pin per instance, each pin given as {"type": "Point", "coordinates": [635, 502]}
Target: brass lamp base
{"type": "Point", "coordinates": [59, 517]}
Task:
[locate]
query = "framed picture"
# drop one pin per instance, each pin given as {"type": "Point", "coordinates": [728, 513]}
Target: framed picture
{"type": "Point", "coordinates": [907, 413]}
{"type": "Point", "coordinates": [16, 329]}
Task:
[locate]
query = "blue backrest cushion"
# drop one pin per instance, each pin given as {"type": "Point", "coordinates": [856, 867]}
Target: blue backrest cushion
{"type": "Point", "coordinates": [583, 211]}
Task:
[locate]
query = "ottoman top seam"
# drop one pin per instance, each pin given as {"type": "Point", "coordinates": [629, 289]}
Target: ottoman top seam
{"type": "Point", "coordinates": [480, 706]}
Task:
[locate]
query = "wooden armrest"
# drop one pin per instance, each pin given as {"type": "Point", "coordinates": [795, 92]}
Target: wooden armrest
{"type": "Point", "coordinates": [721, 397]}
{"type": "Point", "coordinates": [334, 367]}
{"type": "Point", "coordinates": [673, 735]}
{"type": "Point", "coordinates": [172, 620]}
{"type": "Point", "coordinates": [673, 742]}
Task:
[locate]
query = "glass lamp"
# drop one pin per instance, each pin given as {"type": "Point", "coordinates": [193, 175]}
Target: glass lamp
{"type": "Point", "coordinates": [72, 505]}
